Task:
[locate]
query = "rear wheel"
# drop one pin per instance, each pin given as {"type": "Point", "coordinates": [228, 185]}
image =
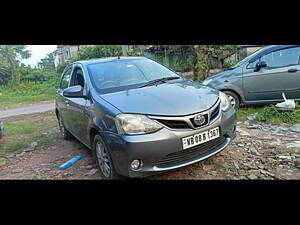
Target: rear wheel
{"type": "Point", "coordinates": [63, 132]}
{"type": "Point", "coordinates": [103, 160]}
{"type": "Point", "coordinates": [233, 98]}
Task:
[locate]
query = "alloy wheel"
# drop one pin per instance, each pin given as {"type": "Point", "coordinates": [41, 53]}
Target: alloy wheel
{"type": "Point", "coordinates": [103, 159]}
{"type": "Point", "coordinates": [232, 101]}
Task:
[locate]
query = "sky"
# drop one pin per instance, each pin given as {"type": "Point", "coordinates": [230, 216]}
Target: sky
{"type": "Point", "coordinates": [37, 53]}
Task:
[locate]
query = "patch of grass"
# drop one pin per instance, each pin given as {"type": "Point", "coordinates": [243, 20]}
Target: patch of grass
{"type": "Point", "coordinates": [19, 128]}
{"type": "Point", "coordinates": [270, 114]}
{"type": "Point", "coordinates": [27, 92]}
{"type": "Point", "coordinates": [243, 113]}
{"type": "Point", "coordinates": [21, 131]}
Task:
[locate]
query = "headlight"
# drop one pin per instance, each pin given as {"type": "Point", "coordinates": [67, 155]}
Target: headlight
{"type": "Point", "coordinates": [206, 82]}
{"type": "Point", "coordinates": [225, 103]}
{"type": "Point", "coordinates": [135, 124]}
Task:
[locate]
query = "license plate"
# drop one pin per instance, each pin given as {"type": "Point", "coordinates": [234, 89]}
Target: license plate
{"type": "Point", "coordinates": [200, 138]}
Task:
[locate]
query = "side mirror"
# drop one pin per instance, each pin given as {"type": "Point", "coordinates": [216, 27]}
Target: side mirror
{"type": "Point", "coordinates": [179, 73]}
{"type": "Point", "coordinates": [74, 92]}
{"type": "Point", "coordinates": [260, 65]}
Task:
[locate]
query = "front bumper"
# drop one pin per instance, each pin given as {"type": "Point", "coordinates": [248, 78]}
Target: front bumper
{"type": "Point", "coordinates": [151, 148]}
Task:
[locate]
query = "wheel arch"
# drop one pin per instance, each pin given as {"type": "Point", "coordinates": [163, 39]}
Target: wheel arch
{"type": "Point", "coordinates": [56, 113]}
{"type": "Point", "coordinates": [235, 92]}
{"type": "Point", "coordinates": [93, 132]}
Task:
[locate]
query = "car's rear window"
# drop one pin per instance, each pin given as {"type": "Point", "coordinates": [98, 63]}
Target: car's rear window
{"type": "Point", "coordinates": [120, 75]}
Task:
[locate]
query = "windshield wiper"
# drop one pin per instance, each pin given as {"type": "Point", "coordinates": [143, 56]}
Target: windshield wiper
{"type": "Point", "coordinates": [157, 81]}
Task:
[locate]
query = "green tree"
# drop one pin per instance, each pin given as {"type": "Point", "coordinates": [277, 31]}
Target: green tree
{"type": "Point", "coordinates": [47, 63]}
{"type": "Point", "coordinates": [97, 51]}
{"type": "Point", "coordinates": [10, 56]}
{"type": "Point", "coordinates": [205, 57]}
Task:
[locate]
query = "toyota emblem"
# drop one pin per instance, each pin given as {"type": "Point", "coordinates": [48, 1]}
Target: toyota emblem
{"type": "Point", "coordinates": [199, 120]}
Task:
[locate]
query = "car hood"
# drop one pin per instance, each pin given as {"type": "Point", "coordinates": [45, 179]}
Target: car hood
{"type": "Point", "coordinates": [224, 74]}
{"type": "Point", "coordinates": [168, 99]}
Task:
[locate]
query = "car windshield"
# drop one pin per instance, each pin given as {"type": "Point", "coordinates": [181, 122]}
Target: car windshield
{"type": "Point", "coordinates": [118, 75]}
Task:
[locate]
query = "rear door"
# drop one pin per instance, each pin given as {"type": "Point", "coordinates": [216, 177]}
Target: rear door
{"type": "Point", "coordinates": [282, 74]}
{"type": "Point", "coordinates": [62, 101]}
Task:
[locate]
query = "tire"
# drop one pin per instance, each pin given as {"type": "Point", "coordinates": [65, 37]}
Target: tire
{"type": "Point", "coordinates": [103, 160]}
{"type": "Point", "coordinates": [234, 99]}
{"type": "Point", "coordinates": [66, 135]}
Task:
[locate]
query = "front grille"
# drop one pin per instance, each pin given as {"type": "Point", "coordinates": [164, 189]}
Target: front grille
{"type": "Point", "coordinates": [174, 124]}
{"type": "Point", "coordinates": [181, 124]}
{"type": "Point", "coordinates": [215, 113]}
{"type": "Point", "coordinates": [190, 153]}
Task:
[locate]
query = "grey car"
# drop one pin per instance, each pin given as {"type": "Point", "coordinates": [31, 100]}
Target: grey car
{"type": "Point", "coordinates": [139, 117]}
{"type": "Point", "coordinates": [262, 77]}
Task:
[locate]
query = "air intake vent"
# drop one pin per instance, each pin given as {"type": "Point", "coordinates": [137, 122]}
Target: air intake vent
{"type": "Point", "coordinates": [175, 124]}
{"type": "Point", "coordinates": [215, 113]}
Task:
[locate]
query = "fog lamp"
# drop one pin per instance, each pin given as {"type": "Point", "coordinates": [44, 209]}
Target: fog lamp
{"type": "Point", "coordinates": [136, 164]}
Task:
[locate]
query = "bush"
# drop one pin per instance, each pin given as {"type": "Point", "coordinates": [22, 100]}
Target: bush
{"type": "Point", "coordinates": [177, 61]}
{"type": "Point", "coordinates": [29, 88]}
{"type": "Point", "coordinates": [37, 75]}
{"type": "Point", "coordinates": [62, 66]}
{"type": "Point", "coordinates": [270, 114]}
{"type": "Point", "coordinates": [99, 51]}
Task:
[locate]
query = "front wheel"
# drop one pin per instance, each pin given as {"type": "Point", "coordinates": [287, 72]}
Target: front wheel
{"type": "Point", "coordinates": [103, 160]}
{"type": "Point", "coordinates": [233, 98]}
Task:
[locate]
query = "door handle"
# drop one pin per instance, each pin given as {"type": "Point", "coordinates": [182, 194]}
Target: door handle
{"type": "Point", "coordinates": [292, 70]}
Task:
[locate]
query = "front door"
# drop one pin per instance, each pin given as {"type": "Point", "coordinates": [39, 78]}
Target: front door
{"type": "Point", "coordinates": [282, 74]}
{"type": "Point", "coordinates": [78, 107]}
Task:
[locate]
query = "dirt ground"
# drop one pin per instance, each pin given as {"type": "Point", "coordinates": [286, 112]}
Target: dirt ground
{"type": "Point", "coordinates": [256, 153]}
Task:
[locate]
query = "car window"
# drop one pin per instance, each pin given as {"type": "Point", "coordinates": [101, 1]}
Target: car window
{"type": "Point", "coordinates": [66, 78]}
{"type": "Point", "coordinates": [280, 58]}
{"type": "Point", "coordinates": [77, 77]}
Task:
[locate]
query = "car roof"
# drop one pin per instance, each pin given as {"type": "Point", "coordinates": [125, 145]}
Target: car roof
{"type": "Point", "coordinates": [108, 59]}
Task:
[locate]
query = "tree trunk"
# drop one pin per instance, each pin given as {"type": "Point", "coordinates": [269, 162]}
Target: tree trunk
{"type": "Point", "coordinates": [13, 66]}
{"type": "Point", "coordinates": [193, 51]}
{"type": "Point", "coordinates": [142, 49]}
{"type": "Point", "coordinates": [125, 50]}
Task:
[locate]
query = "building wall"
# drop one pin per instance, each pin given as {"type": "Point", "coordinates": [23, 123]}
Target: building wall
{"type": "Point", "coordinates": [73, 49]}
